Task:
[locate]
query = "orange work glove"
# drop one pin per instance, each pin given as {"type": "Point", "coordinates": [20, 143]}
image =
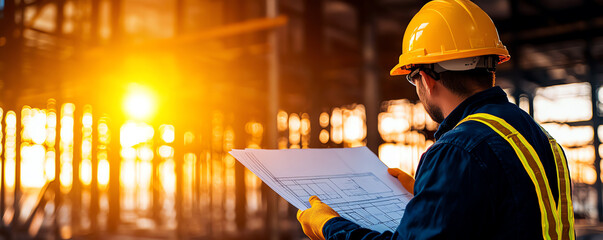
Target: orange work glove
{"type": "Point", "coordinates": [407, 181]}
{"type": "Point", "coordinates": [313, 219]}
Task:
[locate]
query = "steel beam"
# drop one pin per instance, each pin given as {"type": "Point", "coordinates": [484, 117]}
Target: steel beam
{"type": "Point", "coordinates": [3, 162]}
{"type": "Point", "coordinates": [553, 18]}
{"type": "Point", "coordinates": [60, 17]}
{"type": "Point", "coordinates": [94, 195]}
{"type": "Point", "coordinates": [156, 181]}
{"type": "Point", "coordinates": [58, 195]}
{"type": "Point", "coordinates": [17, 189]}
{"type": "Point", "coordinates": [594, 85]}
{"type": "Point", "coordinates": [271, 224]}
{"type": "Point", "coordinates": [181, 226]}
{"type": "Point", "coordinates": [76, 160]}
{"type": "Point", "coordinates": [249, 26]}
{"type": "Point", "coordinates": [370, 72]}
{"type": "Point", "coordinates": [114, 219]}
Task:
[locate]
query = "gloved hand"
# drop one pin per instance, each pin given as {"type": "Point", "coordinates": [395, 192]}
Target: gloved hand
{"type": "Point", "coordinates": [313, 219]}
{"type": "Point", "coordinates": [407, 181]}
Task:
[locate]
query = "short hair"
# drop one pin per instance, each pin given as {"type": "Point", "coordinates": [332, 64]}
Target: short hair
{"type": "Point", "coordinates": [465, 83]}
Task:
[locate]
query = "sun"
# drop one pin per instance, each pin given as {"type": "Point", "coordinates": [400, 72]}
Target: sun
{"type": "Point", "coordinates": [139, 103]}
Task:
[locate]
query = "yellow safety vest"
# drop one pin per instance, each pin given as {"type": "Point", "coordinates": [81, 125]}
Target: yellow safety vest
{"type": "Point", "coordinates": [557, 219]}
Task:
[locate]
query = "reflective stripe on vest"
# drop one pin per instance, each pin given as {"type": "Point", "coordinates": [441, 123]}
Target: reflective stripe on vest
{"type": "Point", "coordinates": [565, 209]}
{"type": "Point", "coordinates": [557, 219]}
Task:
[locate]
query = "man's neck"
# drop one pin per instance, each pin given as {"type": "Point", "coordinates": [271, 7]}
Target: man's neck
{"type": "Point", "coordinates": [453, 100]}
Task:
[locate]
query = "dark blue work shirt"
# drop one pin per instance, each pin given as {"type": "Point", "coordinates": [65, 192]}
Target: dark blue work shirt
{"type": "Point", "coordinates": [470, 184]}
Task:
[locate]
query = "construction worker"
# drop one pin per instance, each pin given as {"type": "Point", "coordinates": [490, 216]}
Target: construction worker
{"type": "Point", "coordinates": [493, 172]}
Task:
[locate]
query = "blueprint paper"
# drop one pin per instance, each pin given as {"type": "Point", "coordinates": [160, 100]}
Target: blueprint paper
{"type": "Point", "coordinates": [353, 181]}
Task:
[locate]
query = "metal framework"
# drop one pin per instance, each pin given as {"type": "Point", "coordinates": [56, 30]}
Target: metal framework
{"type": "Point", "coordinates": [302, 56]}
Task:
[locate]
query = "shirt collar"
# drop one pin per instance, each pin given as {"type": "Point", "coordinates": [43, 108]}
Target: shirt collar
{"type": "Point", "coordinates": [469, 106]}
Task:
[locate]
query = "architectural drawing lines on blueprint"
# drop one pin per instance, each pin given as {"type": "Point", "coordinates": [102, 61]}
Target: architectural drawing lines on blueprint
{"type": "Point", "coordinates": [360, 197]}
{"type": "Point", "coordinates": [384, 212]}
{"type": "Point", "coordinates": [258, 163]}
{"type": "Point", "coordinates": [352, 181]}
{"type": "Point", "coordinates": [337, 188]}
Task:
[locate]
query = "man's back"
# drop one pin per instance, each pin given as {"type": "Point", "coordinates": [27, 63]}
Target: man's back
{"type": "Point", "coordinates": [471, 183]}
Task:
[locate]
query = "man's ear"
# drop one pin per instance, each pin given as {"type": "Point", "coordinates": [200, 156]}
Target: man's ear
{"type": "Point", "coordinates": [428, 81]}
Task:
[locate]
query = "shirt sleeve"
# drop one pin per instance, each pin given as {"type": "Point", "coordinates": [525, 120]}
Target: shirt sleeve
{"type": "Point", "coordinates": [342, 229]}
{"type": "Point", "coordinates": [453, 197]}
{"type": "Point", "coordinates": [452, 200]}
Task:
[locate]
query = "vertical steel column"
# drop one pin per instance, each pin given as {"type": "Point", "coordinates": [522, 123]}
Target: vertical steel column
{"type": "Point", "coordinates": [370, 71]}
{"type": "Point", "coordinates": [216, 208]}
{"type": "Point", "coordinates": [114, 174]}
{"type": "Point", "coordinates": [314, 39]}
{"type": "Point", "coordinates": [155, 181]}
{"type": "Point", "coordinates": [197, 149]}
{"type": "Point", "coordinates": [514, 52]}
{"type": "Point", "coordinates": [516, 73]}
{"type": "Point", "coordinates": [208, 173]}
{"type": "Point", "coordinates": [115, 147]}
{"type": "Point", "coordinates": [591, 76]}
{"type": "Point", "coordinates": [94, 21]}
{"type": "Point", "coordinates": [271, 128]}
{"type": "Point", "coordinates": [210, 193]}
{"type": "Point", "coordinates": [178, 163]}
{"type": "Point", "coordinates": [76, 188]}
{"type": "Point", "coordinates": [10, 58]}
{"type": "Point", "coordinates": [240, 187]}
{"type": "Point", "coordinates": [94, 199]}
{"type": "Point", "coordinates": [236, 13]}
{"type": "Point", "coordinates": [223, 170]}
{"type": "Point", "coordinates": [3, 162]}
{"type": "Point", "coordinates": [273, 78]}
{"type": "Point", "coordinates": [17, 191]}
{"type": "Point", "coordinates": [17, 78]}
{"type": "Point", "coordinates": [58, 196]}
{"type": "Point", "coordinates": [179, 141]}
{"type": "Point", "coordinates": [116, 21]}
{"type": "Point", "coordinates": [594, 85]}
{"type": "Point", "coordinates": [60, 17]}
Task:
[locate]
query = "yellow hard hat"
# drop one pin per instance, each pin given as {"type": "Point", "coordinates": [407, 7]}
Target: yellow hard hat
{"type": "Point", "coordinates": [448, 29]}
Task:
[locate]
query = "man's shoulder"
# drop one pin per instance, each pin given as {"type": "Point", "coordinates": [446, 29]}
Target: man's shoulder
{"type": "Point", "coordinates": [467, 135]}
{"type": "Point", "coordinates": [471, 145]}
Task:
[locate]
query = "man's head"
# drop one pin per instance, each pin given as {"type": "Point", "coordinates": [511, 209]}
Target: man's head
{"type": "Point", "coordinates": [437, 86]}
{"type": "Point", "coordinates": [450, 50]}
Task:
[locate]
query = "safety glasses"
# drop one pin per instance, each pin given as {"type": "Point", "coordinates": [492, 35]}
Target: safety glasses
{"type": "Point", "coordinates": [413, 73]}
{"type": "Point", "coordinates": [428, 68]}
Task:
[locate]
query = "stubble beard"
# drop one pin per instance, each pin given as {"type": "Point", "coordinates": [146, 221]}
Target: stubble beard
{"type": "Point", "coordinates": [434, 111]}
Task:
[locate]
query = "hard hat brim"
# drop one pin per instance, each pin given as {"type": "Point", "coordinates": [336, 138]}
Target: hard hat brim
{"type": "Point", "coordinates": [402, 68]}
